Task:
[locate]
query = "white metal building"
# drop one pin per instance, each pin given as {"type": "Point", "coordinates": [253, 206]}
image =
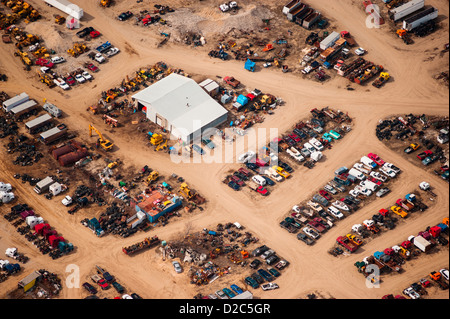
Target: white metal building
{"type": "Point", "coordinates": [180, 106]}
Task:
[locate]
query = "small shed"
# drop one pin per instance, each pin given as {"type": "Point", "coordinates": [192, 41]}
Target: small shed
{"type": "Point", "coordinates": [241, 99]}
{"type": "Point", "coordinates": [29, 281]}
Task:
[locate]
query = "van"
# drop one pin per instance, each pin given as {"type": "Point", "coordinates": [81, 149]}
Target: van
{"type": "Point", "coordinates": [357, 174]}
{"type": "Point", "coordinates": [309, 147]}
{"type": "Point", "coordinates": [369, 185]}
{"type": "Point", "coordinates": [258, 179]}
{"type": "Point", "coordinates": [367, 161]}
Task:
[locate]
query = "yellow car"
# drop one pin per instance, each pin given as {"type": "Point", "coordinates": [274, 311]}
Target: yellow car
{"type": "Point", "coordinates": [281, 171]}
{"type": "Point", "coordinates": [399, 211]}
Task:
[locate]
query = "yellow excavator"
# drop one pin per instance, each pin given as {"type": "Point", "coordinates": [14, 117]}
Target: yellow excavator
{"type": "Point", "coordinates": [186, 191]}
{"type": "Point", "coordinates": [104, 143]}
{"type": "Point", "coordinates": [152, 177]}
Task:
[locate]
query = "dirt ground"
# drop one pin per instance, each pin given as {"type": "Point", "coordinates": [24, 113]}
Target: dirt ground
{"type": "Point", "coordinates": [411, 89]}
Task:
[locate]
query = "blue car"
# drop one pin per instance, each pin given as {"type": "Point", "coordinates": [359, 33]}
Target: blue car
{"type": "Point", "coordinates": [265, 274]}
{"type": "Point", "coordinates": [237, 289]}
{"type": "Point", "coordinates": [234, 186]}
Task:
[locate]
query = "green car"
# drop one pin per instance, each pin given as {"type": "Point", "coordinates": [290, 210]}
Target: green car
{"type": "Point", "coordinates": [251, 282]}
{"type": "Point", "coordinates": [274, 272]}
{"type": "Point", "coordinates": [229, 293]}
{"type": "Point", "coordinates": [208, 143]}
{"type": "Point", "coordinates": [118, 287]}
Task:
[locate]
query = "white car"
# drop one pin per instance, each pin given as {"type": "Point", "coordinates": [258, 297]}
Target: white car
{"type": "Point", "coordinates": [86, 76]}
{"type": "Point", "coordinates": [67, 200]}
{"type": "Point", "coordinates": [233, 4]}
{"type": "Point", "coordinates": [57, 59]}
{"type": "Point", "coordinates": [360, 51]}
{"type": "Point", "coordinates": [296, 209]}
{"type": "Point", "coordinates": [44, 69]}
{"type": "Point", "coordinates": [273, 157]}
{"type": "Point", "coordinates": [224, 7]}
{"type": "Point", "coordinates": [99, 58]}
{"type": "Point", "coordinates": [444, 273]}
{"type": "Point", "coordinates": [310, 232]}
{"type": "Point", "coordinates": [258, 179]}
{"type": "Point", "coordinates": [392, 167]}
{"type": "Point", "coordinates": [379, 176]}
{"type": "Point", "coordinates": [112, 51]}
{"type": "Point", "coordinates": [361, 167]}
{"type": "Point", "coordinates": [126, 296]}
{"type": "Point", "coordinates": [307, 70]}
{"type": "Point", "coordinates": [354, 193]}
{"type": "Point", "coordinates": [424, 186]}
{"type": "Point", "coordinates": [362, 190]}
{"type": "Point", "coordinates": [79, 78]}
{"type": "Point", "coordinates": [335, 212]}
{"type": "Point", "coordinates": [269, 286]}
{"type": "Point", "coordinates": [387, 171]}
{"type": "Point", "coordinates": [247, 156]}
{"type": "Point", "coordinates": [62, 84]}
{"type": "Point", "coordinates": [410, 292]}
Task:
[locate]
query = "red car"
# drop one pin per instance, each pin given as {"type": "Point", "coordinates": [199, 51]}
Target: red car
{"type": "Point", "coordinates": [263, 191]}
{"type": "Point", "coordinates": [376, 159]}
{"type": "Point", "coordinates": [44, 62]}
{"type": "Point", "coordinates": [376, 181]}
{"type": "Point", "coordinates": [325, 194]}
{"type": "Point", "coordinates": [103, 284]}
{"type": "Point", "coordinates": [295, 137]}
{"type": "Point", "coordinates": [70, 80]}
{"type": "Point", "coordinates": [424, 154]}
{"type": "Point", "coordinates": [384, 212]}
{"type": "Point", "coordinates": [237, 180]}
{"type": "Point", "coordinates": [92, 67]}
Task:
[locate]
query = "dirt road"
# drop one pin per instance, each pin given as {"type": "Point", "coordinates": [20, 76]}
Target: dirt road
{"type": "Point", "coordinates": [412, 90]}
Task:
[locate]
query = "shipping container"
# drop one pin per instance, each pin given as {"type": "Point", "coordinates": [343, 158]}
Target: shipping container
{"type": "Point", "coordinates": [53, 134]}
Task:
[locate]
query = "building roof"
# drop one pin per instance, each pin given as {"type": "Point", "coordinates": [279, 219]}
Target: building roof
{"type": "Point", "coordinates": [182, 102]}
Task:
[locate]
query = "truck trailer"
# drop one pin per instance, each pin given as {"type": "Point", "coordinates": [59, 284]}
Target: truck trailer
{"type": "Point", "coordinates": [37, 123]}
{"type": "Point", "coordinates": [67, 7]}
{"type": "Point", "coordinates": [420, 18]}
{"type": "Point", "coordinates": [24, 108]}
{"type": "Point", "coordinates": [43, 185]}
{"type": "Point", "coordinates": [53, 134]}
{"type": "Point", "coordinates": [8, 105]}
{"type": "Point", "coordinates": [406, 9]}
{"type": "Point", "coordinates": [421, 243]}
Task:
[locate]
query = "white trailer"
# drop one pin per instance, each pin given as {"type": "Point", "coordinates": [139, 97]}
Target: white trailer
{"type": "Point", "coordinates": [43, 185]}
{"type": "Point", "coordinates": [421, 243]}
{"type": "Point", "coordinates": [420, 18]}
{"type": "Point", "coordinates": [52, 109]}
{"type": "Point", "coordinates": [330, 40]}
{"type": "Point", "coordinates": [406, 9]}
{"type": "Point", "coordinates": [68, 7]}
{"type": "Point", "coordinates": [38, 122]}
{"type": "Point", "coordinates": [292, 5]}
{"type": "Point", "coordinates": [24, 108]}
{"type": "Point", "coordinates": [8, 105]}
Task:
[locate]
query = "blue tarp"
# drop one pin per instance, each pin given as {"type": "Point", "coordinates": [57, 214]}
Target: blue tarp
{"type": "Point", "coordinates": [241, 99]}
{"type": "Point", "coordinates": [250, 65]}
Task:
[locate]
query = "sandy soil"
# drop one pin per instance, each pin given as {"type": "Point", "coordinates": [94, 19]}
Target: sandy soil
{"type": "Point", "coordinates": [312, 269]}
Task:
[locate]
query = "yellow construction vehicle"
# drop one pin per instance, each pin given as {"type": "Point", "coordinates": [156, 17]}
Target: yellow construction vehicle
{"type": "Point", "coordinates": [186, 191]}
{"type": "Point", "coordinates": [105, 3]}
{"type": "Point", "coordinates": [152, 177]}
{"type": "Point", "coordinates": [156, 139]}
{"type": "Point", "coordinates": [46, 79]}
{"type": "Point", "coordinates": [162, 146]}
{"type": "Point", "coordinates": [59, 19]}
{"type": "Point", "coordinates": [24, 57]}
{"type": "Point", "coordinates": [78, 49]}
{"type": "Point", "coordinates": [104, 143]}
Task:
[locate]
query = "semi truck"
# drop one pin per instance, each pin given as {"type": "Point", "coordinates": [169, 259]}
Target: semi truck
{"type": "Point", "coordinates": [43, 185]}
{"type": "Point", "coordinates": [406, 9]}
{"type": "Point", "coordinates": [420, 18]}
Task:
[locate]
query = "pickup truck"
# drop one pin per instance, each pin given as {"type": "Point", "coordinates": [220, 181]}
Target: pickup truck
{"type": "Point", "coordinates": [231, 81]}
{"type": "Point", "coordinates": [411, 148]}
{"type": "Point", "coordinates": [424, 155]}
{"type": "Point", "coordinates": [349, 245]}
{"type": "Point", "coordinates": [317, 226]}
{"type": "Point", "coordinates": [315, 206]}
{"type": "Point", "coordinates": [321, 200]}
{"type": "Point", "coordinates": [302, 236]}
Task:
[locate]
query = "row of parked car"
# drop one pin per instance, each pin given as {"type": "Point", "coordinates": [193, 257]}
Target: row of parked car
{"type": "Point", "coordinates": [366, 181]}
